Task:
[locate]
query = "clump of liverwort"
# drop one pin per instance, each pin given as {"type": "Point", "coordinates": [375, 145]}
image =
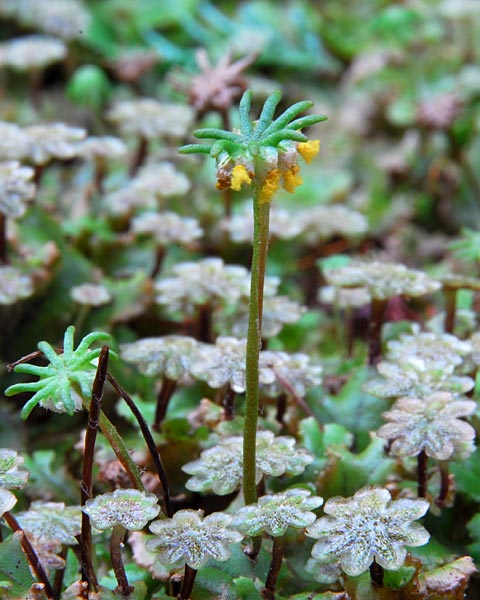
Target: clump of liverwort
{"type": "Point", "coordinates": [274, 514]}
{"type": "Point", "coordinates": [192, 538]}
{"type": "Point", "coordinates": [219, 468]}
{"type": "Point", "coordinates": [382, 280]}
{"type": "Point", "coordinates": [168, 357]}
{"type": "Point", "coordinates": [368, 530]}
{"type": "Point", "coordinates": [430, 426]}
{"type": "Point", "coordinates": [122, 510]}
{"type": "Point", "coordinates": [16, 187]}
{"type": "Point", "coordinates": [165, 228]}
{"type": "Point", "coordinates": [148, 119]}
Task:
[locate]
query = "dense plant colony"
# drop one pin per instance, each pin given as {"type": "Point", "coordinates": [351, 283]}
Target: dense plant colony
{"type": "Point", "coordinates": [252, 377]}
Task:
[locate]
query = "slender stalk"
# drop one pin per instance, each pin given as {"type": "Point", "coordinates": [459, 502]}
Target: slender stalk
{"type": "Point", "coordinates": [38, 174]}
{"type": "Point", "coordinates": [470, 175]}
{"type": "Point", "coordinates": [444, 483]}
{"type": "Point", "coordinates": [260, 246]}
{"type": "Point", "coordinates": [281, 408]}
{"type": "Point", "coordinates": [118, 533]}
{"type": "Point", "coordinates": [376, 574]}
{"type": "Point", "coordinates": [58, 580]}
{"type": "Point", "coordinates": [422, 460]}
{"type": "Point", "coordinates": [149, 441]}
{"type": "Point", "coordinates": [188, 581]}
{"type": "Point", "coordinates": [31, 555]}
{"type": "Point", "coordinates": [450, 296]}
{"type": "Point", "coordinates": [204, 323]}
{"type": "Point", "coordinates": [82, 314]}
{"type": "Point", "coordinates": [140, 155]}
{"type": "Point", "coordinates": [349, 331]}
{"type": "Point", "coordinates": [3, 239]}
{"type": "Point", "coordinates": [36, 80]}
{"type": "Point", "coordinates": [88, 570]}
{"type": "Point", "coordinates": [227, 194]}
{"type": "Point", "coordinates": [28, 358]}
{"type": "Point", "coordinates": [157, 263]}
{"type": "Point", "coordinates": [300, 401]}
{"type": "Point", "coordinates": [99, 174]}
{"type": "Point", "coordinates": [163, 398]}
{"type": "Point", "coordinates": [375, 330]}
{"type": "Point", "coordinates": [277, 558]}
{"type": "Point", "coordinates": [264, 215]}
{"type": "Point", "coordinates": [228, 403]}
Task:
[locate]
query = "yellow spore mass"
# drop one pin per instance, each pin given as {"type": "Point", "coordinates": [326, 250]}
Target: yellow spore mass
{"type": "Point", "coordinates": [292, 179]}
{"type": "Point", "coordinates": [270, 185]}
{"type": "Point", "coordinates": [239, 177]}
{"type": "Point", "coordinates": [309, 149]}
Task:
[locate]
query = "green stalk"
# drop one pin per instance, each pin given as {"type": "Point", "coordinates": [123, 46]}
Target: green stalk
{"type": "Point", "coordinates": [118, 446]}
{"type": "Point", "coordinates": [261, 212]}
{"type": "Point", "coordinates": [450, 295]}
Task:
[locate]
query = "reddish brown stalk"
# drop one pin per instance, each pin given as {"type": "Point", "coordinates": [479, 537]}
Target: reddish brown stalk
{"type": "Point", "coordinates": [228, 403]}
{"type": "Point", "coordinates": [88, 570]}
{"type": "Point", "coordinates": [148, 440]}
{"type": "Point", "coordinates": [422, 461]}
{"type": "Point", "coordinates": [157, 265]}
{"type": "Point", "coordinates": [58, 580]}
{"type": "Point", "coordinates": [349, 332]}
{"type": "Point", "coordinates": [300, 401]}
{"type": "Point", "coordinates": [281, 408]}
{"type": "Point", "coordinates": [116, 541]}
{"type": "Point", "coordinates": [376, 574]}
{"type": "Point", "coordinates": [166, 392]}
{"type": "Point", "coordinates": [277, 558]}
{"type": "Point", "coordinates": [444, 484]}
{"type": "Point", "coordinates": [375, 330]}
{"type": "Point", "coordinates": [188, 581]}
{"type": "Point", "coordinates": [38, 174]}
{"type": "Point", "coordinates": [100, 172]}
{"type": "Point", "coordinates": [28, 358]}
{"type": "Point", "coordinates": [204, 323]}
{"type": "Point", "coordinates": [140, 155]}
{"type": "Point", "coordinates": [3, 239]}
